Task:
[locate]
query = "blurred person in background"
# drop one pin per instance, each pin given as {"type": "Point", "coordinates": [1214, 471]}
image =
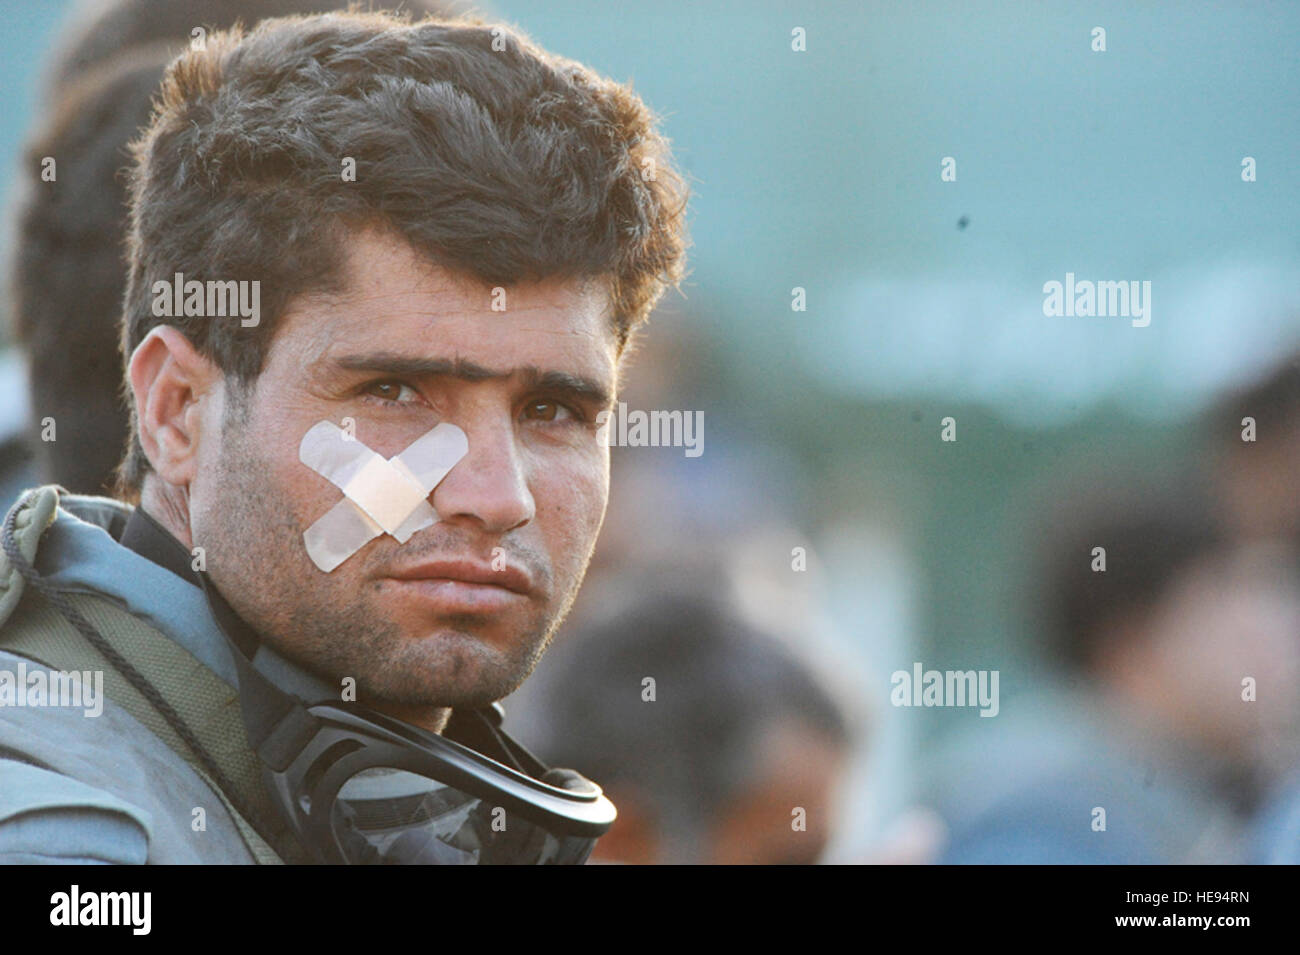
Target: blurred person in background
{"type": "Point", "coordinates": [67, 276]}
{"type": "Point", "coordinates": [68, 272]}
{"type": "Point", "coordinates": [732, 753]}
{"type": "Point", "coordinates": [1254, 437]}
{"type": "Point", "coordinates": [1255, 453]}
{"type": "Point", "coordinates": [1179, 663]}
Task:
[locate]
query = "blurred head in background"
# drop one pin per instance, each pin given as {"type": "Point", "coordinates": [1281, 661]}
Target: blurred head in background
{"type": "Point", "coordinates": [1256, 454]}
{"type": "Point", "coordinates": [68, 273]}
{"type": "Point", "coordinates": [717, 744]}
{"type": "Point", "coordinates": [1194, 629]}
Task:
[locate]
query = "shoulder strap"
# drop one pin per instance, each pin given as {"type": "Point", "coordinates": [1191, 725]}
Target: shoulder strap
{"type": "Point", "coordinates": [155, 680]}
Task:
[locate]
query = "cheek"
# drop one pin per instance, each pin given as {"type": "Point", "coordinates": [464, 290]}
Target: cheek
{"type": "Point", "coordinates": [261, 465]}
{"type": "Point", "coordinates": [570, 503]}
{"type": "Point", "coordinates": [305, 493]}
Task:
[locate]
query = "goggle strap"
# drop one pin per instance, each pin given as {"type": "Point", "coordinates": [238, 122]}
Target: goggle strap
{"type": "Point", "coordinates": [267, 710]}
{"type": "Point", "coordinates": [477, 730]}
{"type": "Point", "coordinates": [288, 738]}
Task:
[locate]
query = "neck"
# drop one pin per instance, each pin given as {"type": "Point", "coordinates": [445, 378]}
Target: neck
{"type": "Point", "coordinates": [430, 718]}
{"type": "Point", "coordinates": [169, 506]}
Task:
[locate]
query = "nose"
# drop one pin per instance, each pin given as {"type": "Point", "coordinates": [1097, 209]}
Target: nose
{"type": "Point", "coordinates": [488, 488]}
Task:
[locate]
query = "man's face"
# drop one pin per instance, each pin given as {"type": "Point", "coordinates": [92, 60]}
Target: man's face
{"type": "Point", "coordinates": [405, 347]}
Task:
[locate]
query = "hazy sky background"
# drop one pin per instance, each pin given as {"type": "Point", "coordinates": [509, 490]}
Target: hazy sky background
{"type": "Point", "coordinates": [821, 170]}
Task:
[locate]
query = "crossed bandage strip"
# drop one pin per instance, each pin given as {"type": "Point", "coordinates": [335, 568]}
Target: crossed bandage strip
{"type": "Point", "coordinates": [380, 495]}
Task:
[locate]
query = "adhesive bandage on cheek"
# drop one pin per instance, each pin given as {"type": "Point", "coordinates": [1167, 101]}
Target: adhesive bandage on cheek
{"type": "Point", "coordinates": [380, 495]}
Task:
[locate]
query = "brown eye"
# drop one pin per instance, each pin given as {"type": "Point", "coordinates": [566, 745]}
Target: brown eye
{"type": "Point", "coordinates": [394, 391]}
{"type": "Point", "coordinates": [542, 410]}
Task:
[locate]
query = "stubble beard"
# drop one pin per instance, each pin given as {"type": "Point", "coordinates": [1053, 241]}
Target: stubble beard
{"type": "Point", "coordinates": [256, 555]}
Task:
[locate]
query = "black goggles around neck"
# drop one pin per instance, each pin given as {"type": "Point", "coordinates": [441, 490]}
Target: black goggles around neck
{"type": "Point", "coordinates": [362, 788]}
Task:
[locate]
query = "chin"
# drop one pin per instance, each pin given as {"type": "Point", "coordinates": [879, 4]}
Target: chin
{"type": "Point", "coordinates": [450, 668]}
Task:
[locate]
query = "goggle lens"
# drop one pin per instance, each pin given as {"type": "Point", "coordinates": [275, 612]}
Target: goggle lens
{"type": "Point", "coordinates": [386, 816]}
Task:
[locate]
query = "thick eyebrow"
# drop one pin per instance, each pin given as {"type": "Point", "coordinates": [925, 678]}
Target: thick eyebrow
{"type": "Point", "coordinates": [574, 386]}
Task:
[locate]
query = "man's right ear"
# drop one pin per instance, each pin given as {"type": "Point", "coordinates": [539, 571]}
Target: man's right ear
{"type": "Point", "coordinates": [171, 383]}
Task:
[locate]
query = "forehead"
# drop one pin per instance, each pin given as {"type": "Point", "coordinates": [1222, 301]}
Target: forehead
{"type": "Point", "coordinates": [393, 298]}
